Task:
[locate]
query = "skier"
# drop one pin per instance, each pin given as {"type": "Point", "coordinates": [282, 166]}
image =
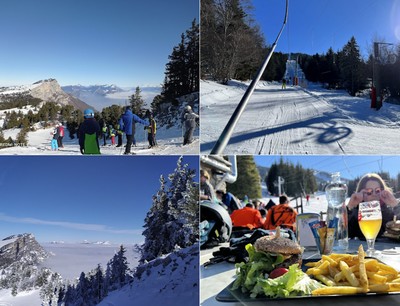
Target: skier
{"type": "Point", "coordinates": [120, 133]}
{"type": "Point", "coordinates": [111, 130]}
{"type": "Point", "coordinates": [283, 83]}
{"type": "Point", "coordinates": [89, 131]}
{"type": "Point", "coordinates": [190, 124]}
{"type": "Point", "coordinates": [60, 130]}
{"type": "Point", "coordinates": [54, 141]}
{"type": "Point", "coordinates": [127, 122]}
{"type": "Point", "coordinates": [104, 131]}
{"type": "Point", "coordinates": [151, 131]}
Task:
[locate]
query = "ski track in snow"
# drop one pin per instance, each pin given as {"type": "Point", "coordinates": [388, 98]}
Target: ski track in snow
{"type": "Point", "coordinates": [297, 121]}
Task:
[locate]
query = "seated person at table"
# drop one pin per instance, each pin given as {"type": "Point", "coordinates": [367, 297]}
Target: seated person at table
{"type": "Point", "coordinates": [371, 187]}
{"type": "Point", "coordinates": [247, 217]}
{"type": "Point", "coordinates": [228, 199]}
{"type": "Point", "coordinates": [281, 215]}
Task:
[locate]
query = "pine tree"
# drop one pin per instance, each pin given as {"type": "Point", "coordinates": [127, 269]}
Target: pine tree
{"type": "Point", "coordinates": [156, 231]}
{"type": "Point", "coordinates": [119, 269]}
{"type": "Point", "coordinates": [173, 218]}
{"type": "Point", "coordinates": [248, 182]}
{"type": "Point", "coordinates": [352, 67]}
{"type": "Point", "coordinates": [136, 101]}
{"type": "Point", "coordinates": [182, 70]}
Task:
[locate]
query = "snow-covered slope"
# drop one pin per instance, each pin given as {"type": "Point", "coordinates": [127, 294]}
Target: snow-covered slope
{"type": "Point", "coordinates": [297, 121]}
{"type": "Point", "coordinates": [169, 143]}
{"type": "Point", "coordinates": [169, 281]}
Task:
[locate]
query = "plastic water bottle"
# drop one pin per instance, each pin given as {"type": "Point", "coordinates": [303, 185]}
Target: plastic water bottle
{"type": "Point", "coordinates": [336, 192]}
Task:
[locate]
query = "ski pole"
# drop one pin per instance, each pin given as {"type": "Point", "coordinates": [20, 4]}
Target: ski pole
{"type": "Point", "coordinates": [226, 134]}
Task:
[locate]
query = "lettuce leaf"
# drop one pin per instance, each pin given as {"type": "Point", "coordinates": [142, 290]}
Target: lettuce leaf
{"type": "Point", "coordinates": [293, 283]}
{"type": "Point", "coordinates": [252, 278]}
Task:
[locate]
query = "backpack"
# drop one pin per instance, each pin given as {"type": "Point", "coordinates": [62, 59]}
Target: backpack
{"type": "Point", "coordinates": [90, 144]}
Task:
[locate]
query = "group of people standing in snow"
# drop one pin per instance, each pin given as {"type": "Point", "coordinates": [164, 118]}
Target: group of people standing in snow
{"type": "Point", "coordinates": [90, 131]}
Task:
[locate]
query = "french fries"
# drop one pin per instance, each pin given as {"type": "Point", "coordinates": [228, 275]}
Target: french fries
{"type": "Point", "coordinates": [353, 274]}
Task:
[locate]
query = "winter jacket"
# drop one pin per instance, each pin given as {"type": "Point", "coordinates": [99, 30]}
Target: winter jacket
{"type": "Point", "coordinates": [387, 215]}
{"type": "Point", "coordinates": [61, 131]}
{"type": "Point", "coordinates": [281, 215]}
{"type": "Point", "coordinates": [55, 134]}
{"type": "Point", "coordinates": [247, 217]}
{"type": "Point", "coordinates": [152, 128]}
{"type": "Point", "coordinates": [89, 131]}
{"type": "Point", "coordinates": [127, 121]}
{"type": "Point", "coordinates": [190, 119]}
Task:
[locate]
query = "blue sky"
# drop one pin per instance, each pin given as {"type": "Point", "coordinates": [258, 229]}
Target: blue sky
{"type": "Point", "coordinates": [350, 166]}
{"type": "Point", "coordinates": [316, 25]}
{"type": "Point", "coordinates": [122, 42]}
{"type": "Point", "coordinates": [76, 198]}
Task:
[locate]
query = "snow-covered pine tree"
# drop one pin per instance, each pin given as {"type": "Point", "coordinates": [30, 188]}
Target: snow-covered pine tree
{"type": "Point", "coordinates": [156, 231]}
{"type": "Point", "coordinates": [98, 284]}
{"type": "Point", "coordinates": [81, 291]}
{"type": "Point", "coordinates": [183, 213]}
{"type": "Point", "coordinates": [173, 218]}
{"type": "Point", "coordinates": [119, 269]}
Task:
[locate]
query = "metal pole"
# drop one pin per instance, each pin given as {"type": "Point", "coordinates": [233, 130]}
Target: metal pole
{"type": "Point", "coordinates": [226, 134]}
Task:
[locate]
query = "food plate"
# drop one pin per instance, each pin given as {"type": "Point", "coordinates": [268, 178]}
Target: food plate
{"type": "Point", "coordinates": [231, 296]}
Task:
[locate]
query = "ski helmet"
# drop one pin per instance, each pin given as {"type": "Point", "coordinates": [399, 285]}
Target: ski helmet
{"type": "Point", "coordinates": [188, 108]}
{"type": "Point", "coordinates": [88, 113]}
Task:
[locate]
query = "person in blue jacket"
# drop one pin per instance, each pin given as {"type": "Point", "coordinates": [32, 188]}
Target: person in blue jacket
{"type": "Point", "coordinates": [89, 131]}
{"type": "Point", "coordinates": [127, 122]}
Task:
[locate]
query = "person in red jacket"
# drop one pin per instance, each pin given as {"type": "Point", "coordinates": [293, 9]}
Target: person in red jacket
{"type": "Point", "coordinates": [248, 217]}
{"type": "Point", "coordinates": [60, 130]}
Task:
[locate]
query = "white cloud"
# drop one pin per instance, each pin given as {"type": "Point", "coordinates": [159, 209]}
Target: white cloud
{"type": "Point", "coordinates": [71, 225]}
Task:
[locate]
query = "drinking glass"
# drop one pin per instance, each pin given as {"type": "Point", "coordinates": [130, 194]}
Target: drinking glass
{"type": "Point", "coordinates": [370, 221]}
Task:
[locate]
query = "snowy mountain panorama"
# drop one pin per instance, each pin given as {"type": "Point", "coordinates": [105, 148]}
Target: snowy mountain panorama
{"type": "Point", "coordinates": [52, 273]}
{"type": "Point", "coordinates": [100, 96]}
{"type": "Point", "coordinates": [297, 120]}
{"type": "Point", "coordinates": [29, 115]}
{"type": "Point", "coordinates": [45, 90]}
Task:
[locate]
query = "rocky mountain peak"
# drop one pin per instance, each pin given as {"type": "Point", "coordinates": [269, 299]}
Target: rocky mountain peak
{"type": "Point", "coordinates": [50, 91]}
{"type": "Point", "coordinates": [21, 248]}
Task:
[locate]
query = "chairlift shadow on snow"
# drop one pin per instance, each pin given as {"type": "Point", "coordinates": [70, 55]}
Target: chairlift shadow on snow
{"type": "Point", "coordinates": [330, 132]}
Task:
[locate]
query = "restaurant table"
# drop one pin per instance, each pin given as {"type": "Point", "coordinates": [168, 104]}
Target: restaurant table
{"type": "Point", "coordinates": [216, 277]}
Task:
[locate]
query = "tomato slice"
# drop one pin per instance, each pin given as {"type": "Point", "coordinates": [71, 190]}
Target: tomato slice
{"type": "Point", "coordinates": [277, 272]}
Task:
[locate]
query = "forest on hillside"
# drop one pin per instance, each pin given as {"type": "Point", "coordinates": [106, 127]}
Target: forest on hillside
{"type": "Point", "coordinates": [233, 47]}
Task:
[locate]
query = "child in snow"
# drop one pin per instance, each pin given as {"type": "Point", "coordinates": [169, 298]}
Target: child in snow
{"type": "Point", "coordinates": [54, 141]}
{"type": "Point", "coordinates": [112, 134]}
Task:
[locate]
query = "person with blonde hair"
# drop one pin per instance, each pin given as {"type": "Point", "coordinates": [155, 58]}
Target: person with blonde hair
{"type": "Point", "coordinates": [206, 189]}
{"type": "Point", "coordinates": [371, 187]}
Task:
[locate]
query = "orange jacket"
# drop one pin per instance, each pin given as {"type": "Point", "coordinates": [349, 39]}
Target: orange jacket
{"type": "Point", "coordinates": [281, 215]}
{"type": "Point", "coordinates": [247, 217]}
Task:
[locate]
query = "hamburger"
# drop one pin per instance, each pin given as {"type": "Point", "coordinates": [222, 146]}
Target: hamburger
{"type": "Point", "coordinates": [393, 229]}
{"type": "Point", "coordinates": [290, 250]}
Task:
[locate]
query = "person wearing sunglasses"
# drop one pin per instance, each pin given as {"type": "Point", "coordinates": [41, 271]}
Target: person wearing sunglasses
{"type": "Point", "coordinates": [372, 187]}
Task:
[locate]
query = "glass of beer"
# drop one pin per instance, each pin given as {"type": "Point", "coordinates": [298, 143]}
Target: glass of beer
{"type": "Point", "coordinates": [370, 221]}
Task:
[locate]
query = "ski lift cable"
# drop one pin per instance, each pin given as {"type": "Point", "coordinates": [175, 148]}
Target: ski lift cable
{"type": "Point", "coordinates": [226, 134]}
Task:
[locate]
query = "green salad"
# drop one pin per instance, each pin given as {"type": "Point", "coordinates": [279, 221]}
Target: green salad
{"type": "Point", "coordinates": [253, 277]}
